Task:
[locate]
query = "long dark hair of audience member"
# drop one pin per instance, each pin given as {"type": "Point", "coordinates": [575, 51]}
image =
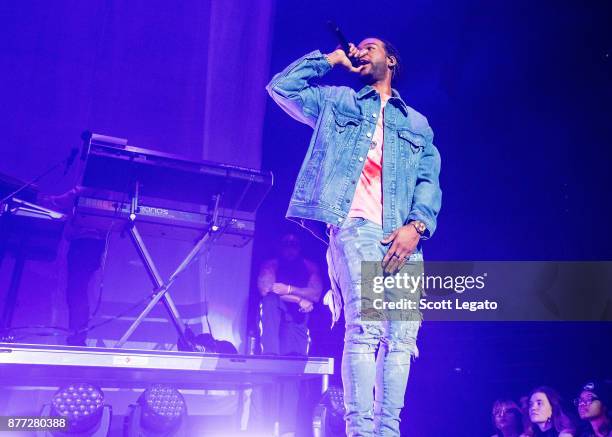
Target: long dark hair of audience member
{"type": "Point", "coordinates": [507, 419]}
{"type": "Point", "coordinates": [547, 415]}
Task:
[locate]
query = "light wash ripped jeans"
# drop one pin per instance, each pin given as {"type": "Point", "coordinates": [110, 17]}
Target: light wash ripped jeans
{"type": "Point", "coordinates": [365, 371]}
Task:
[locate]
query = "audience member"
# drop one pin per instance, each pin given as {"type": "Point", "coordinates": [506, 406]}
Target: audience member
{"type": "Point", "coordinates": [547, 416]}
{"type": "Point", "coordinates": [593, 403]}
{"type": "Point", "coordinates": [507, 419]}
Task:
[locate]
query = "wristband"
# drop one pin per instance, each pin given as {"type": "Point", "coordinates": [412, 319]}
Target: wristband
{"type": "Point", "coordinates": [288, 288]}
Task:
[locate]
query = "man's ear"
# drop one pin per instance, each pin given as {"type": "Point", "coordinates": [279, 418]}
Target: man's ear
{"type": "Point", "coordinates": [391, 61]}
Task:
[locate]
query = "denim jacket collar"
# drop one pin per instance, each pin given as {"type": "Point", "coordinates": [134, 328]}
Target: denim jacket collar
{"type": "Point", "coordinates": [395, 97]}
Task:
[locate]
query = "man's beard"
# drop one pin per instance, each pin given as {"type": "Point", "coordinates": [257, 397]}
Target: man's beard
{"type": "Point", "coordinates": [376, 73]}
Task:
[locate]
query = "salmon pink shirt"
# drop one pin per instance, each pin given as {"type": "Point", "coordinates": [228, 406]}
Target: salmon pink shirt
{"type": "Point", "coordinates": [367, 202]}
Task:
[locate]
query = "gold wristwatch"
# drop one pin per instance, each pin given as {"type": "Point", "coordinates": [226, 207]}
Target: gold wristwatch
{"type": "Point", "coordinates": [419, 226]}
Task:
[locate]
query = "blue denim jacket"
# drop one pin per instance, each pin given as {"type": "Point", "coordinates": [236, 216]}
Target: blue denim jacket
{"type": "Point", "coordinates": [344, 122]}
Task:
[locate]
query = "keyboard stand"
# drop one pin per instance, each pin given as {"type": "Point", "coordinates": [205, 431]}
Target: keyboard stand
{"type": "Point", "coordinates": [186, 336]}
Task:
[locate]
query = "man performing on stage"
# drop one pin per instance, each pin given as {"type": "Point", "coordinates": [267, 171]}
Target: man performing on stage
{"type": "Point", "coordinates": [371, 174]}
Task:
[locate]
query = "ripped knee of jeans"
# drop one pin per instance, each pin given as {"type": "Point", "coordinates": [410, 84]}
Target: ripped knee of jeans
{"type": "Point", "coordinates": [401, 337]}
{"type": "Point", "coordinates": [362, 337]}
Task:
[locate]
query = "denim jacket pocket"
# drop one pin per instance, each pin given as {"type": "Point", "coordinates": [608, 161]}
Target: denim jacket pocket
{"type": "Point", "coordinates": [344, 126]}
{"type": "Point", "coordinates": [411, 144]}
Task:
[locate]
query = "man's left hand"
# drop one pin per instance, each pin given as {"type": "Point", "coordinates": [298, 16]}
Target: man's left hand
{"type": "Point", "coordinates": [306, 306]}
{"type": "Point", "coordinates": [403, 241]}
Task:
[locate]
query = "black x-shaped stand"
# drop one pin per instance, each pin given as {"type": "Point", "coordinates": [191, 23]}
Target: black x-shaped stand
{"type": "Point", "coordinates": [186, 336]}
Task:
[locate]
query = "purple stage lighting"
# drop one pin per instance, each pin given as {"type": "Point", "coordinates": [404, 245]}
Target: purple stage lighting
{"type": "Point", "coordinates": [162, 406]}
{"type": "Point", "coordinates": [81, 405]}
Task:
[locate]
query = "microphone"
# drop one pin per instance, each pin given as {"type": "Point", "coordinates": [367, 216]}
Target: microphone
{"type": "Point", "coordinates": [70, 159]}
{"type": "Point", "coordinates": [335, 29]}
{"type": "Point", "coordinates": [344, 44]}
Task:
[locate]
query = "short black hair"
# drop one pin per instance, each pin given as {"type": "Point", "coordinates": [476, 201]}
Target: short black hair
{"type": "Point", "coordinates": [391, 50]}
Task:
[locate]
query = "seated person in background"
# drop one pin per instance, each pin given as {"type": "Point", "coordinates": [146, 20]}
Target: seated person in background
{"type": "Point", "coordinates": [594, 403]}
{"type": "Point", "coordinates": [289, 285]}
{"type": "Point", "coordinates": [547, 416]}
{"type": "Point", "coordinates": [507, 419]}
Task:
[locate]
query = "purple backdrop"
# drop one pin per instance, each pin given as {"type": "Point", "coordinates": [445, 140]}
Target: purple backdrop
{"type": "Point", "coordinates": [167, 78]}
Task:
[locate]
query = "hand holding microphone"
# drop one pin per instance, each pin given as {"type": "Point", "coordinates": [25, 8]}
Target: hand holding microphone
{"type": "Point", "coordinates": [344, 51]}
{"type": "Point", "coordinates": [339, 57]}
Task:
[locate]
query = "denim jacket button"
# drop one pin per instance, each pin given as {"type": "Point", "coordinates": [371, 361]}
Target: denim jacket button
{"type": "Point", "coordinates": [374, 114]}
{"type": "Point", "coordinates": [369, 135]}
{"type": "Point", "coordinates": [360, 158]}
{"type": "Point", "coordinates": [339, 220]}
